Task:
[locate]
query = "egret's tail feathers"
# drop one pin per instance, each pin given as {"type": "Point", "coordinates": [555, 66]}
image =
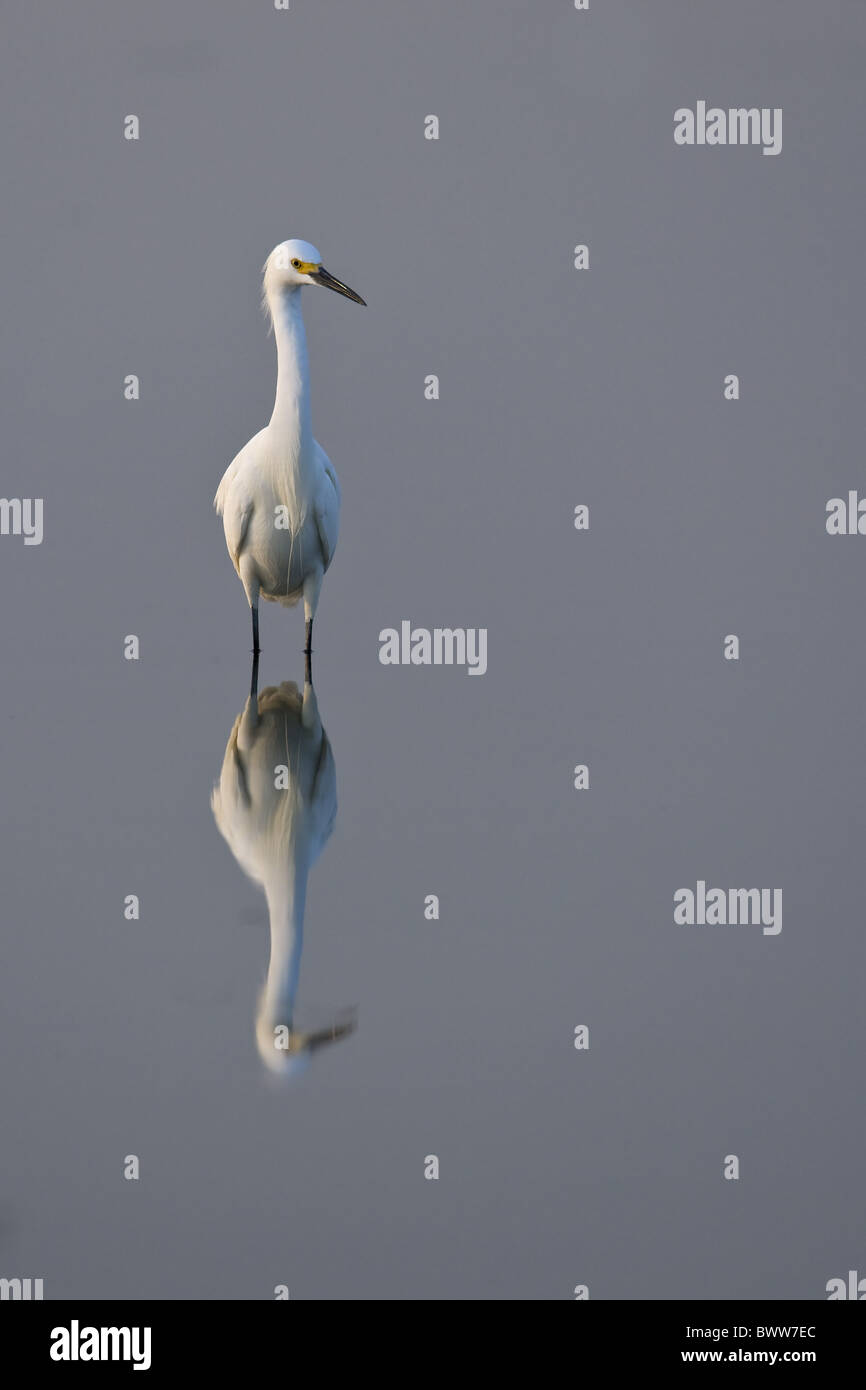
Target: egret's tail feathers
{"type": "Point", "coordinates": [287, 600]}
{"type": "Point", "coordinates": [283, 696]}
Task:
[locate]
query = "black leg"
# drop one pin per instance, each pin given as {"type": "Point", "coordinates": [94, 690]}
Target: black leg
{"type": "Point", "coordinates": [254, 678]}
{"type": "Point", "coordinates": [308, 654]}
{"type": "Point", "coordinates": [256, 647]}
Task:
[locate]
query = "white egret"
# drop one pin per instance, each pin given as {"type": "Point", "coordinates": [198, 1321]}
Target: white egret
{"type": "Point", "coordinates": [280, 498]}
{"type": "Point", "coordinates": [276, 826]}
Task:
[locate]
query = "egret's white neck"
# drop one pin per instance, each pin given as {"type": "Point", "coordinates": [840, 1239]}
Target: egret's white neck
{"type": "Point", "coordinates": [286, 892]}
{"type": "Point", "coordinates": [292, 404]}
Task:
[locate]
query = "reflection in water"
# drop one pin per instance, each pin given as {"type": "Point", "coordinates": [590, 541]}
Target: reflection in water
{"type": "Point", "coordinates": [275, 805]}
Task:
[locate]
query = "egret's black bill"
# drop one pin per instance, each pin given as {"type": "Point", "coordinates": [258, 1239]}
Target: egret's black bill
{"type": "Point", "coordinates": [324, 277]}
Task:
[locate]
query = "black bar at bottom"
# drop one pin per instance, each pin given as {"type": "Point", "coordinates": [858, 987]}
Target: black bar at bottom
{"type": "Point", "coordinates": [161, 1338]}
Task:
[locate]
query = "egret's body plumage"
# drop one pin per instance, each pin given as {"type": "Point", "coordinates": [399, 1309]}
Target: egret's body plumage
{"type": "Point", "coordinates": [279, 498]}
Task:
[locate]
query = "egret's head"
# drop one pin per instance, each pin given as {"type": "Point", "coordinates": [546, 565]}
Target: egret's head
{"type": "Point", "coordinates": [296, 263]}
{"type": "Point", "coordinates": [287, 1050]}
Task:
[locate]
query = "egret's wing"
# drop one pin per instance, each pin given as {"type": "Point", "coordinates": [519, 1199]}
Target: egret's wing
{"type": "Point", "coordinates": [236, 522]}
{"type": "Point", "coordinates": [323, 799]}
{"type": "Point", "coordinates": [327, 507]}
{"type": "Point", "coordinates": [234, 503]}
{"type": "Point", "coordinates": [226, 481]}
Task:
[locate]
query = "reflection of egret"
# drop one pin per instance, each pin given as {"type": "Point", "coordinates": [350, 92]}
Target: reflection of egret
{"type": "Point", "coordinates": [275, 805]}
{"type": "Point", "coordinates": [279, 498]}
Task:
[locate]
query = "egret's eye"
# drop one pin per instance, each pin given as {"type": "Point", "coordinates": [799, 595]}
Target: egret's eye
{"type": "Point", "coordinates": [296, 264]}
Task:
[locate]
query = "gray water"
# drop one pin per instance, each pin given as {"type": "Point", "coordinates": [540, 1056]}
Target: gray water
{"type": "Point", "coordinates": [557, 1167]}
